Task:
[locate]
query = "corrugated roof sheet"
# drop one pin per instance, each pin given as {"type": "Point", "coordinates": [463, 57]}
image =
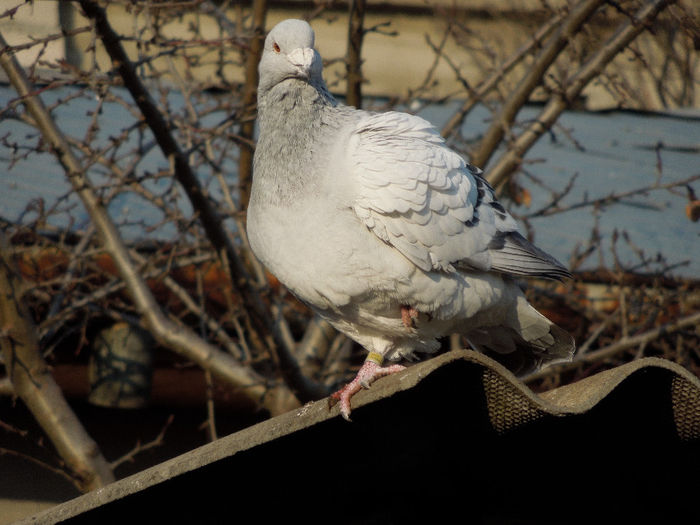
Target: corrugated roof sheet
{"type": "Point", "coordinates": [457, 435]}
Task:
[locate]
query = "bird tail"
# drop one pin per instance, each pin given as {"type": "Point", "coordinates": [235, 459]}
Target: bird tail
{"type": "Point", "coordinates": [526, 345]}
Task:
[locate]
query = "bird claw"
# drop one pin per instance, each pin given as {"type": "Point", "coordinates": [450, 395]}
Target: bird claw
{"type": "Point", "coordinates": [368, 373]}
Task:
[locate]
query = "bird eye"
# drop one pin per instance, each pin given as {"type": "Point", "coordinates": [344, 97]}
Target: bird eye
{"type": "Point", "coordinates": [276, 47]}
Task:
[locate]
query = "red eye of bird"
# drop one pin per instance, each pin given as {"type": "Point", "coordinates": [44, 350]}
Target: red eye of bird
{"type": "Point", "coordinates": [276, 47]}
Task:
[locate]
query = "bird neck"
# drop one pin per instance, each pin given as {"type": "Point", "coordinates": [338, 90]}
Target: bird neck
{"type": "Point", "coordinates": [291, 120]}
{"type": "Point", "coordinates": [292, 98]}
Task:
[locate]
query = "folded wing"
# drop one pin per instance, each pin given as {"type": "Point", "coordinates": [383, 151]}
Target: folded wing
{"type": "Point", "coordinates": [419, 196]}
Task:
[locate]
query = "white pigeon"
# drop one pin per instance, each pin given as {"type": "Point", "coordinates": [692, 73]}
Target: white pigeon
{"type": "Point", "coordinates": [374, 222]}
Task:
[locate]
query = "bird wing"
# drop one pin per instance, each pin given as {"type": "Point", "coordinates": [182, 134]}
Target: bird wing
{"type": "Point", "coordinates": [422, 198]}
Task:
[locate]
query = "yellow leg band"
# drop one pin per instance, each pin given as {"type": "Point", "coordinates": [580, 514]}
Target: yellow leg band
{"type": "Point", "coordinates": [375, 357]}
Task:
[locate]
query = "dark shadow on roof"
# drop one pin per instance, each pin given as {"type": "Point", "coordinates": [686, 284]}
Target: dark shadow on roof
{"type": "Point", "coordinates": [457, 435]}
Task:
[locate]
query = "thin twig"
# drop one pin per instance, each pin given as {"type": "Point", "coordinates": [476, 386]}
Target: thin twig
{"type": "Point", "coordinates": [165, 331]}
{"type": "Point", "coordinates": [628, 31]}
{"type": "Point", "coordinates": [554, 207]}
{"type": "Point", "coordinates": [617, 347]}
{"type": "Point", "coordinates": [33, 383]}
{"type": "Point", "coordinates": [139, 448]}
{"type": "Point", "coordinates": [211, 409]}
{"type": "Point", "coordinates": [581, 350]}
{"type": "Point", "coordinates": [504, 120]}
{"type": "Point", "coordinates": [264, 331]}
{"type": "Point", "coordinates": [484, 87]}
{"type": "Point", "coordinates": [61, 472]}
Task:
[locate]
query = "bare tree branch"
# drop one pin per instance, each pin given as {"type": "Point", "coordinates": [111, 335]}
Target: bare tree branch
{"type": "Point", "coordinates": [617, 347]}
{"type": "Point", "coordinates": [481, 90]}
{"type": "Point", "coordinates": [33, 383]}
{"type": "Point", "coordinates": [554, 207]}
{"type": "Point", "coordinates": [356, 34]}
{"type": "Point", "coordinates": [270, 332]}
{"type": "Point", "coordinates": [168, 333]}
{"type": "Point", "coordinates": [250, 93]}
{"type": "Point", "coordinates": [6, 388]}
{"type": "Point", "coordinates": [503, 121]}
{"type": "Point", "coordinates": [628, 31]}
{"type": "Point", "coordinates": [313, 348]}
{"type": "Point", "coordinates": [214, 327]}
{"type": "Point", "coordinates": [142, 447]}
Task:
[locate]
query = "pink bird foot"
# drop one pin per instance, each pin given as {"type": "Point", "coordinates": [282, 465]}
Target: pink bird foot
{"type": "Point", "coordinates": [370, 371]}
{"type": "Point", "coordinates": [408, 314]}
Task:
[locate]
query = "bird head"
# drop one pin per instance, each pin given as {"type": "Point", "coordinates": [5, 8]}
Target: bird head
{"type": "Point", "coordinates": [289, 54]}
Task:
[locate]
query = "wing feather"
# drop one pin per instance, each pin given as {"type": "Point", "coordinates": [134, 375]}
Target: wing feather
{"type": "Point", "coordinates": [419, 196]}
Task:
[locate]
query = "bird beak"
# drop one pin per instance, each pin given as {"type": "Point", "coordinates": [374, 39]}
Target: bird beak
{"type": "Point", "coordinates": [302, 59]}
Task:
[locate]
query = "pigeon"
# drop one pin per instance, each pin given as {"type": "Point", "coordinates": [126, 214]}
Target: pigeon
{"type": "Point", "coordinates": [383, 230]}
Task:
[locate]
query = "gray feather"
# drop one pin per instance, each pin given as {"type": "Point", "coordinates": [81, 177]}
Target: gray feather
{"type": "Point", "coordinates": [513, 254]}
{"type": "Point", "coordinates": [363, 214]}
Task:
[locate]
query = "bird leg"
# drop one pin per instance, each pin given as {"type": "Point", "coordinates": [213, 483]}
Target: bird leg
{"type": "Point", "coordinates": [408, 314]}
{"type": "Point", "coordinates": [371, 370]}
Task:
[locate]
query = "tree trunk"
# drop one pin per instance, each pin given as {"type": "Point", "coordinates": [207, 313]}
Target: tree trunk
{"type": "Point", "coordinates": [245, 160]}
{"type": "Point", "coordinates": [356, 34]}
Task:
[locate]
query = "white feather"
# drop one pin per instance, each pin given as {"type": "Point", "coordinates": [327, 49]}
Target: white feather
{"type": "Point", "coordinates": [414, 192]}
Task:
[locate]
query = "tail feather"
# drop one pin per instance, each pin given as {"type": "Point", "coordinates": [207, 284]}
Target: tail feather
{"type": "Point", "coordinates": [530, 344]}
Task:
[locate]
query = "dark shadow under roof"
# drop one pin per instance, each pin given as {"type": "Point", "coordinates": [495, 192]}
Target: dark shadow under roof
{"type": "Point", "coordinates": [457, 435]}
